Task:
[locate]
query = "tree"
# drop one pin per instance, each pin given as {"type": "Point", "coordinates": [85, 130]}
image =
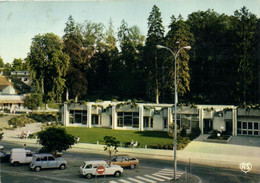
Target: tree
{"type": "Point", "coordinates": [33, 101]}
{"type": "Point", "coordinates": [48, 64]}
{"type": "Point", "coordinates": [154, 60]}
{"type": "Point", "coordinates": [212, 67]}
{"type": "Point", "coordinates": [178, 36]}
{"type": "Point", "coordinates": [245, 32]}
{"type": "Point", "coordinates": [111, 145]}
{"type": "Point", "coordinates": [76, 81]}
{"type": "Point", "coordinates": [131, 43]}
{"type": "Point", "coordinates": [1, 62]}
{"type": "Point", "coordinates": [55, 139]}
{"type": "Point", "coordinates": [18, 65]}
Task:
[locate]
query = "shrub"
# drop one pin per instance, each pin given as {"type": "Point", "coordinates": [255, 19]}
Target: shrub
{"type": "Point", "coordinates": [195, 132]}
{"type": "Point", "coordinates": [183, 132]}
{"type": "Point", "coordinates": [45, 117]}
{"type": "Point", "coordinates": [20, 121]}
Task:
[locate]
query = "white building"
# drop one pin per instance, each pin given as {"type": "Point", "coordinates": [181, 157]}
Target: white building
{"type": "Point", "coordinates": [9, 99]}
{"type": "Point", "coordinates": [157, 117]}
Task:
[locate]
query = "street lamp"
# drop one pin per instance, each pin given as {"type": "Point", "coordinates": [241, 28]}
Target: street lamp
{"type": "Point", "coordinates": [175, 101]}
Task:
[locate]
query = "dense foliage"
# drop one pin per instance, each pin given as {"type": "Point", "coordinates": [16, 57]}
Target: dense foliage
{"type": "Point", "coordinates": [20, 121]}
{"type": "Point", "coordinates": [90, 62]}
{"type": "Point", "coordinates": [55, 139]}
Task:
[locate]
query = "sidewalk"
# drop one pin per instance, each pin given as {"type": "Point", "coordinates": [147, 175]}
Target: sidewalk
{"type": "Point", "coordinates": [243, 149]}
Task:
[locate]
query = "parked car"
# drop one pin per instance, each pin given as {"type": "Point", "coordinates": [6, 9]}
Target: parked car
{"type": "Point", "coordinates": [47, 160]}
{"type": "Point", "coordinates": [20, 156]}
{"type": "Point", "coordinates": [124, 161]}
{"type": "Point", "coordinates": [4, 157]}
{"type": "Point", "coordinates": [91, 168]}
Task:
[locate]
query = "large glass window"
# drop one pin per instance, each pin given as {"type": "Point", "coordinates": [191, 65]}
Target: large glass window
{"type": "Point", "coordinates": [78, 116]}
{"type": "Point", "coordinates": [187, 121]}
{"type": "Point", "coordinates": [95, 119]}
{"type": "Point", "coordinates": [128, 119]}
{"type": "Point", "coordinates": [248, 128]}
{"type": "Point", "coordinates": [148, 122]}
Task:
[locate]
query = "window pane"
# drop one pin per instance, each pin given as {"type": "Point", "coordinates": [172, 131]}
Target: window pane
{"type": "Point", "coordinates": [255, 132]}
{"type": "Point", "coordinates": [250, 125]}
{"type": "Point", "coordinates": [244, 132]}
{"type": "Point", "coordinates": [151, 125]}
{"type": "Point", "coordinates": [255, 126]}
{"type": "Point", "coordinates": [250, 132]}
{"type": "Point", "coordinates": [238, 124]}
{"type": "Point", "coordinates": [119, 114]}
{"type": "Point", "coordinates": [127, 121]}
{"type": "Point", "coordinates": [119, 122]}
{"type": "Point", "coordinates": [146, 122]}
{"type": "Point", "coordinates": [135, 114]}
{"type": "Point", "coordinates": [135, 122]}
{"type": "Point", "coordinates": [244, 125]}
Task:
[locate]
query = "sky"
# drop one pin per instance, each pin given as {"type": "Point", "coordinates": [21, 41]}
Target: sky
{"type": "Point", "coordinates": [20, 21]}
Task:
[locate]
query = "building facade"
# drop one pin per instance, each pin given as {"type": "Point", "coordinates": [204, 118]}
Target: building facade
{"type": "Point", "coordinates": [158, 117]}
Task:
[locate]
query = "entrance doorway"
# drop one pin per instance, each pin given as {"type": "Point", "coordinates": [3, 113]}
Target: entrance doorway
{"type": "Point", "coordinates": [208, 126]}
{"type": "Point", "coordinates": [229, 128]}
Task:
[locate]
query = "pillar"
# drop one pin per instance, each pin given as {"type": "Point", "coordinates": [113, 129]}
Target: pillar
{"type": "Point", "coordinates": [234, 122]}
{"type": "Point", "coordinates": [89, 115]}
{"type": "Point", "coordinates": [114, 117]}
{"type": "Point", "coordinates": [201, 124]}
{"type": "Point", "coordinates": [141, 117]}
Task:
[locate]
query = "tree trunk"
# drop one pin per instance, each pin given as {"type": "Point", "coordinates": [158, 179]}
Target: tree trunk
{"type": "Point", "coordinates": [76, 99]}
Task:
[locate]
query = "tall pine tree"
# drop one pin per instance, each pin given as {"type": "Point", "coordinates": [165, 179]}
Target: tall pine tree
{"type": "Point", "coordinates": [154, 60]}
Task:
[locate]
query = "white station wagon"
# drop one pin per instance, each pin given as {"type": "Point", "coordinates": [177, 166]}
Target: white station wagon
{"type": "Point", "coordinates": [95, 168]}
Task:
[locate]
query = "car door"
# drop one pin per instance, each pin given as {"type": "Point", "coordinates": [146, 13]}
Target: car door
{"type": "Point", "coordinates": [88, 169]}
{"type": "Point", "coordinates": [52, 163]}
{"type": "Point", "coordinates": [44, 162]}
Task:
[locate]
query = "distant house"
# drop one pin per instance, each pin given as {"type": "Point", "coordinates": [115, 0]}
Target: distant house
{"type": "Point", "coordinates": [24, 76]}
{"type": "Point", "coordinates": [9, 99]}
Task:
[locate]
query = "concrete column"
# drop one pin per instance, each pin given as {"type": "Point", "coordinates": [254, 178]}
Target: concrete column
{"type": "Point", "coordinates": [89, 115]}
{"type": "Point", "coordinates": [201, 125]}
{"type": "Point", "coordinates": [65, 116]}
{"type": "Point", "coordinates": [170, 120]}
{"type": "Point", "coordinates": [114, 117]}
{"type": "Point", "coordinates": [234, 122]}
{"type": "Point", "coordinates": [141, 117]}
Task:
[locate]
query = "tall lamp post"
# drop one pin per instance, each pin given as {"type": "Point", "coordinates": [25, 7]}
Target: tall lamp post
{"type": "Point", "coordinates": [175, 100]}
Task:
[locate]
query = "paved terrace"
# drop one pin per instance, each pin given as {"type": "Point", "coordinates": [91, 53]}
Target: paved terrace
{"type": "Point", "coordinates": [240, 149]}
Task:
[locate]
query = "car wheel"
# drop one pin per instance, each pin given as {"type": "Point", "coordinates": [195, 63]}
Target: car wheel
{"type": "Point", "coordinates": [16, 163]}
{"type": "Point", "coordinates": [117, 174]}
{"type": "Point", "coordinates": [62, 166]}
{"type": "Point", "coordinates": [88, 176]}
{"type": "Point", "coordinates": [37, 169]}
{"type": "Point", "coordinates": [132, 167]}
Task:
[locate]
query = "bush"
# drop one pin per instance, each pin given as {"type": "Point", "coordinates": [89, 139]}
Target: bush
{"type": "Point", "coordinates": [195, 132]}
{"type": "Point", "coordinates": [183, 132]}
{"type": "Point", "coordinates": [45, 117]}
{"type": "Point", "coordinates": [20, 121]}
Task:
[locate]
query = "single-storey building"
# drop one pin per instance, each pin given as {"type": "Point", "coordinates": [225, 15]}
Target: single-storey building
{"type": "Point", "coordinates": [157, 117]}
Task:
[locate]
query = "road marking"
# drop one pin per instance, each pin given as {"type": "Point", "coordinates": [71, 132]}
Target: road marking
{"type": "Point", "coordinates": [155, 178]}
{"type": "Point", "coordinates": [164, 177]}
{"type": "Point", "coordinates": [124, 181]}
{"type": "Point", "coordinates": [145, 179]}
{"type": "Point", "coordinates": [112, 181]}
{"type": "Point", "coordinates": [135, 180]}
{"type": "Point", "coordinates": [162, 173]}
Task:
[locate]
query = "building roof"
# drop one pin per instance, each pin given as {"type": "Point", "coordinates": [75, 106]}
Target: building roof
{"type": "Point", "coordinates": [4, 81]}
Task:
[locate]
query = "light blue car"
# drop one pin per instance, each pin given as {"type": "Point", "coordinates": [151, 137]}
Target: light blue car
{"type": "Point", "coordinates": [46, 160]}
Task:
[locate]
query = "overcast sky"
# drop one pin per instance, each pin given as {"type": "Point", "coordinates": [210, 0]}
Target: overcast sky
{"type": "Point", "coordinates": [20, 21]}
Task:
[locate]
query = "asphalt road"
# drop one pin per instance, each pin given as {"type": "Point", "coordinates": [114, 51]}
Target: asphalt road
{"type": "Point", "coordinates": [148, 167]}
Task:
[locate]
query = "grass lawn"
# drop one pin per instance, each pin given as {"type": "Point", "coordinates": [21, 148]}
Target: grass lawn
{"type": "Point", "coordinates": [92, 135]}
